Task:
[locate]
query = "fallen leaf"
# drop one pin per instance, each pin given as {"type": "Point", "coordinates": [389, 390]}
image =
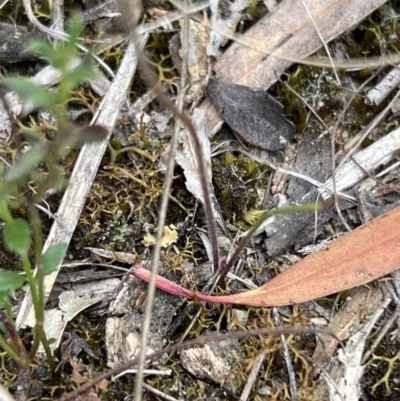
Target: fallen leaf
{"type": "Point", "coordinates": [359, 257]}
{"type": "Point", "coordinates": [289, 31]}
{"type": "Point", "coordinates": [252, 113]}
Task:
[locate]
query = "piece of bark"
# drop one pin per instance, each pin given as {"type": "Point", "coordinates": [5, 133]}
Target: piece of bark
{"type": "Point", "coordinates": [13, 41]}
{"type": "Point", "coordinates": [213, 362]}
{"type": "Point", "coordinates": [348, 320]}
{"type": "Point", "coordinates": [126, 313]}
{"type": "Point", "coordinates": [384, 88]}
{"type": "Point", "coordinates": [253, 114]}
{"type": "Point", "coordinates": [313, 160]}
{"type": "Point", "coordinates": [346, 370]}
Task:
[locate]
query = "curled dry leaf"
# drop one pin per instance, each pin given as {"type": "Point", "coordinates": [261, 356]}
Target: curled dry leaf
{"type": "Point", "coordinates": [367, 253]}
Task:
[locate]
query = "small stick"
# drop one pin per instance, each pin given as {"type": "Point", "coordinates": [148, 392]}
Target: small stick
{"type": "Point", "coordinates": [252, 376]}
{"type": "Point", "coordinates": [159, 393]}
{"type": "Point", "coordinates": [286, 356]}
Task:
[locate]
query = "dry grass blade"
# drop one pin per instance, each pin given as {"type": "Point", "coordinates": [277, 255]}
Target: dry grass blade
{"type": "Point", "coordinates": [162, 218]}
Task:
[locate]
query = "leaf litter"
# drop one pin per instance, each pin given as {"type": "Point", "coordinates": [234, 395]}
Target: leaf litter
{"type": "Point", "coordinates": [260, 316]}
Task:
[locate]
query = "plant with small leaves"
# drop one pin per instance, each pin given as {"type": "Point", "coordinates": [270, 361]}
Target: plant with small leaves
{"type": "Point", "coordinates": [40, 165]}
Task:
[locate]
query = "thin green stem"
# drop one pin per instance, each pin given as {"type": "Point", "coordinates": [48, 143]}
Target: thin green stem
{"type": "Point", "coordinates": [4, 212]}
{"type": "Point", "coordinates": [30, 278]}
{"type": "Point", "coordinates": [9, 349]}
{"type": "Point", "coordinates": [39, 334]}
{"type": "Point", "coordinates": [9, 311]}
{"type": "Point", "coordinates": [48, 352]}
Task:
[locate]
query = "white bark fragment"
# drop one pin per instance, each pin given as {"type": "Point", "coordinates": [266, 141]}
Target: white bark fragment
{"type": "Point", "coordinates": [381, 91]}
{"type": "Point", "coordinates": [378, 154]}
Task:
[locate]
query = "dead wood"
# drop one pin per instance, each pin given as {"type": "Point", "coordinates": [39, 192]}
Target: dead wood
{"type": "Point", "coordinates": [13, 42]}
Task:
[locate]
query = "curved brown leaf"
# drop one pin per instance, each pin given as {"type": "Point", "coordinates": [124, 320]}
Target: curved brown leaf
{"type": "Point", "coordinates": [367, 253]}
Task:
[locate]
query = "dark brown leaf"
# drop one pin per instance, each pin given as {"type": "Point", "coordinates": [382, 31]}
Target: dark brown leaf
{"type": "Point", "coordinates": [252, 113]}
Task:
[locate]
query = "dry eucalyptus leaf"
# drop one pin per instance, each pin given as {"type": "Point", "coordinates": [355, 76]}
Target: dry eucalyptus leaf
{"type": "Point", "coordinates": [357, 258]}
{"type": "Point", "coordinates": [252, 113]}
{"type": "Point", "coordinates": [289, 30]}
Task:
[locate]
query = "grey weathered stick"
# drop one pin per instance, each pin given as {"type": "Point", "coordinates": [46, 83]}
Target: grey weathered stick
{"type": "Point", "coordinates": [252, 377]}
{"type": "Point", "coordinates": [385, 87]}
{"type": "Point", "coordinates": [379, 153]}
{"type": "Point", "coordinates": [83, 175]}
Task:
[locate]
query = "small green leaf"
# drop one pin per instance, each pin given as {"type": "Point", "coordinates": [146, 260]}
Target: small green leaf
{"type": "Point", "coordinates": [38, 96]}
{"type": "Point", "coordinates": [3, 300]}
{"type": "Point", "coordinates": [10, 281]}
{"type": "Point", "coordinates": [72, 80]}
{"type": "Point", "coordinates": [17, 236]}
{"type": "Point", "coordinates": [53, 257]}
{"type": "Point", "coordinates": [27, 161]}
{"type": "Point", "coordinates": [76, 28]}
{"type": "Point", "coordinates": [42, 48]}
{"type": "Point", "coordinates": [51, 341]}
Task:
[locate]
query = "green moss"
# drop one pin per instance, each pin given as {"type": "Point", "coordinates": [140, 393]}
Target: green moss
{"type": "Point", "coordinates": [293, 106]}
{"type": "Point", "coordinates": [236, 180]}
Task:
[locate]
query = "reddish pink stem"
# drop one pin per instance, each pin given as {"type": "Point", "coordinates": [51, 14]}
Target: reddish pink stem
{"type": "Point", "coordinates": [175, 289]}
